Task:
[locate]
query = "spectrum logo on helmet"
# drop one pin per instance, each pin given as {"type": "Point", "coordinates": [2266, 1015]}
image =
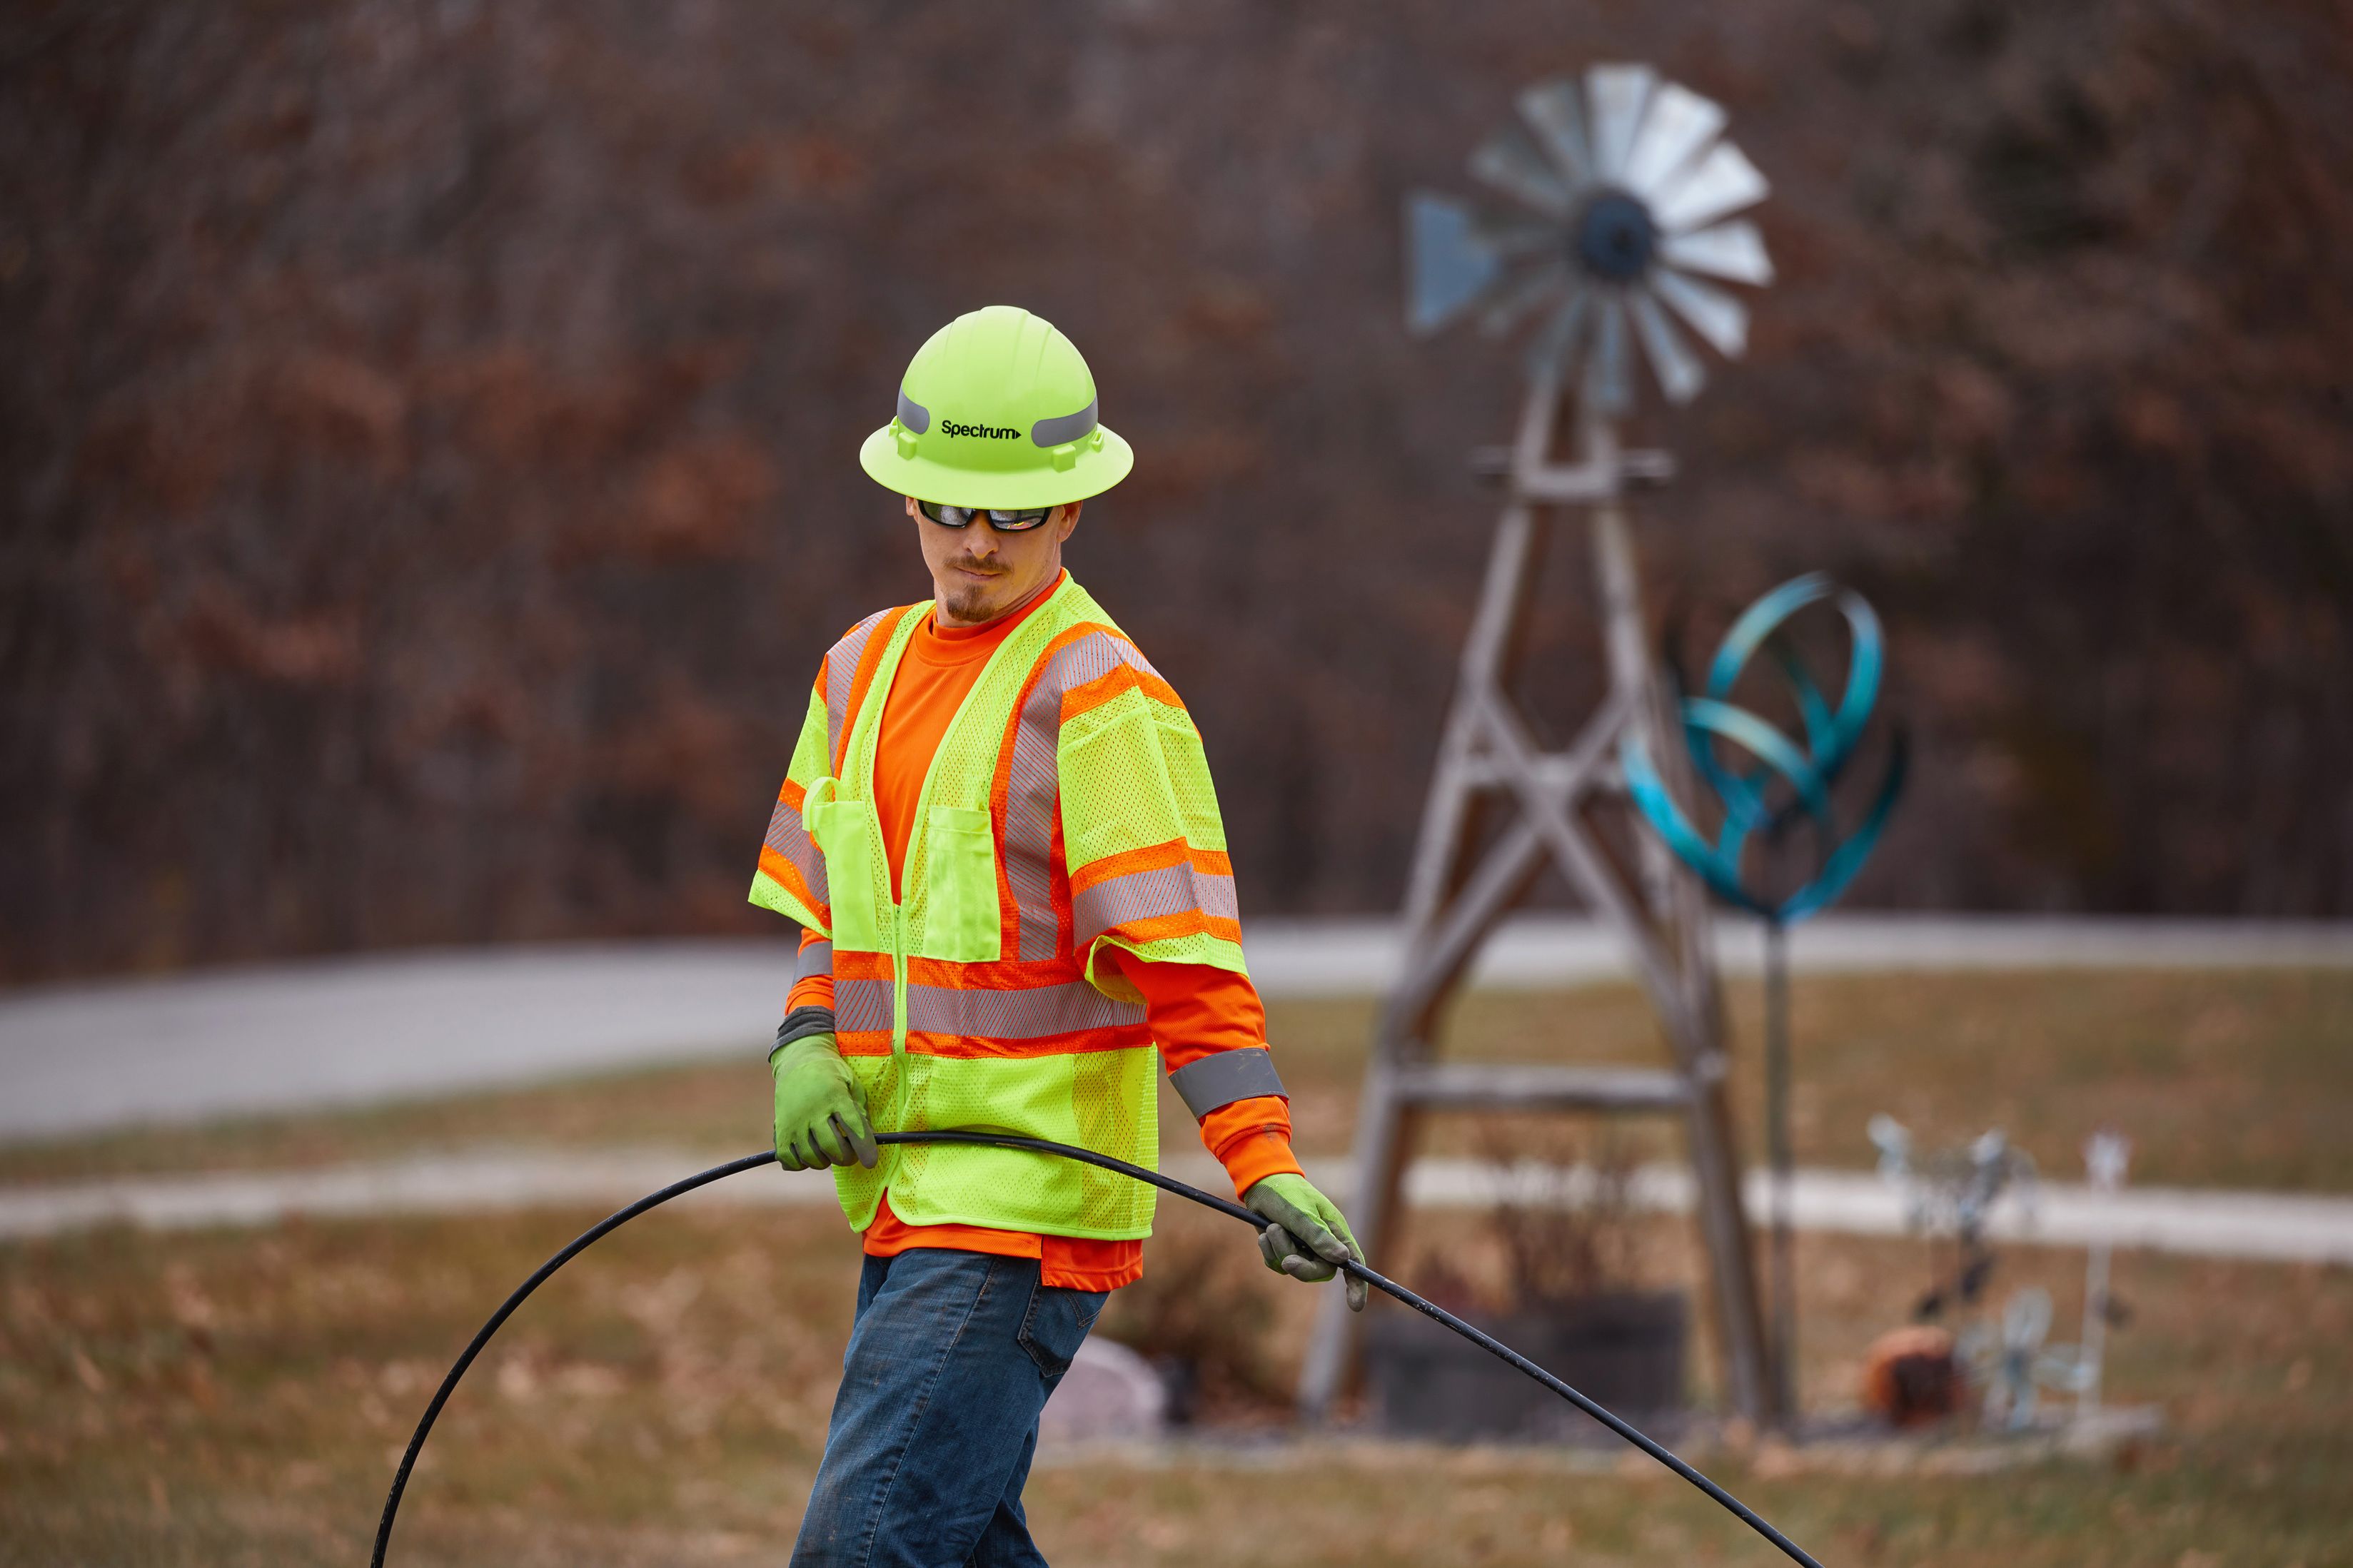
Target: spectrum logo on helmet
{"type": "Point", "coordinates": [992, 432]}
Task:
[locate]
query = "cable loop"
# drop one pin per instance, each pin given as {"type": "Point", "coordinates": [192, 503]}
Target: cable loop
{"type": "Point", "coordinates": [1381, 1282]}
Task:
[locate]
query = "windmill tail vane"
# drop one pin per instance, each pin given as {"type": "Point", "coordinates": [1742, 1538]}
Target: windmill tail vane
{"type": "Point", "coordinates": [1607, 219]}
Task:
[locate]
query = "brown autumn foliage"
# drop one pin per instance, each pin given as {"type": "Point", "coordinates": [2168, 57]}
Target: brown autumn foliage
{"type": "Point", "coordinates": [425, 432]}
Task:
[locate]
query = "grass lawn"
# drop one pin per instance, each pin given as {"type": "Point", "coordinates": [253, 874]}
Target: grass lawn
{"type": "Point", "coordinates": [2235, 1079]}
{"type": "Point", "coordinates": [239, 1397]}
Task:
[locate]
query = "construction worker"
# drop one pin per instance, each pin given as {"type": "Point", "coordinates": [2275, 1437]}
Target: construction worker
{"type": "Point", "coordinates": [999, 837]}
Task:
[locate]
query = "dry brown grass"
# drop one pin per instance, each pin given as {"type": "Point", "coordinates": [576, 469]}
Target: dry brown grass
{"type": "Point", "coordinates": [2220, 1079]}
{"type": "Point", "coordinates": [239, 1397]}
{"type": "Point", "coordinates": [2227, 1080]}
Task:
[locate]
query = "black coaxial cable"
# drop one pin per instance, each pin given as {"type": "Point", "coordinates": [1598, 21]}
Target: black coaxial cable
{"type": "Point", "coordinates": [1381, 1282]}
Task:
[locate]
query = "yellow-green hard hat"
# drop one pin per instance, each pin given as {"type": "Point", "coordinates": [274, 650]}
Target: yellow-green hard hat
{"type": "Point", "coordinates": [997, 410]}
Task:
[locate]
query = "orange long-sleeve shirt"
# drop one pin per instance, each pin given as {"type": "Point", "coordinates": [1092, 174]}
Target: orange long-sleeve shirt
{"type": "Point", "coordinates": [1192, 1010]}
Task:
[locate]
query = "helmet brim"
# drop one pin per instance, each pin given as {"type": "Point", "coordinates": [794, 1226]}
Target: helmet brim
{"type": "Point", "coordinates": [1094, 472]}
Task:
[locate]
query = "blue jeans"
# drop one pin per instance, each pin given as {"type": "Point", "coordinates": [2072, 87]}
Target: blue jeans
{"type": "Point", "coordinates": [951, 1359]}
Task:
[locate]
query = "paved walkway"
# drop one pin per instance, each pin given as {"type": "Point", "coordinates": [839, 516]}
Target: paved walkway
{"type": "Point", "coordinates": [2259, 1225]}
{"type": "Point", "coordinates": [362, 1031]}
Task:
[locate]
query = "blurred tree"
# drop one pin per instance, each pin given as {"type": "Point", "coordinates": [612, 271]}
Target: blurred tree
{"type": "Point", "coordinates": [426, 431]}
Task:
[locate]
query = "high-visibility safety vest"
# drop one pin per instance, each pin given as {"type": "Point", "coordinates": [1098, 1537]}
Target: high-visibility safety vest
{"type": "Point", "coordinates": [1068, 810]}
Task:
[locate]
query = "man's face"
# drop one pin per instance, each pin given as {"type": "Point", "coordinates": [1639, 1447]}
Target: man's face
{"type": "Point", "coordinates": [978, 573]}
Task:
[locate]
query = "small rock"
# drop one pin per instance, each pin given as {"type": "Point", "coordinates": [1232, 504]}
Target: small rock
{"type": "Point", "coordinates": [1110, 1392]}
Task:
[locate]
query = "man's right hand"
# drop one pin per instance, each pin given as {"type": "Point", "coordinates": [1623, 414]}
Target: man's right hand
{"type": "Point", "coordinates": [820, 1113]}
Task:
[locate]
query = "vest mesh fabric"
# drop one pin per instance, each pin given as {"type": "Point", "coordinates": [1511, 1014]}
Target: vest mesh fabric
{"type": "Point", "coordinates": [956, 1016]}
{"type": "Point", "coordinates": [1140, 819]}
{"type": "Point", "coordinates": [791, 879]}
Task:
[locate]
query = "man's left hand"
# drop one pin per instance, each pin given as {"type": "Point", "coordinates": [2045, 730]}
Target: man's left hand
{"type": "Point", "coordinates": [1307, 1239]}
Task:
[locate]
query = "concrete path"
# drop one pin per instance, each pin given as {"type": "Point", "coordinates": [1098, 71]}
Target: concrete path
{"type": "Point", "coordinates": [362, 1031]}
{"type": "Point", "coordinates": [2257, 1226]}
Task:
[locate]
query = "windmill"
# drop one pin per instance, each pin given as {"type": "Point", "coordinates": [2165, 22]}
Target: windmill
{"type": "Point", "coordinates": [1607, 230]}
{"type": "Point", "coordinates": [1619, 195]}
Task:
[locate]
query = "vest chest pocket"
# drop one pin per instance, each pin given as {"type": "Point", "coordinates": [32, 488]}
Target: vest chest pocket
{"type": "Point", "coordinates": [851, 837]}
{"type": "Point", "coordinates": [960, 922]}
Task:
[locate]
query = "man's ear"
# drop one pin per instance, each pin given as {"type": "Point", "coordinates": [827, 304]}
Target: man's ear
{"type": "Point", "coordinates": [1070, 516]}
{"type": "Point", "coordinates": [910, 506]}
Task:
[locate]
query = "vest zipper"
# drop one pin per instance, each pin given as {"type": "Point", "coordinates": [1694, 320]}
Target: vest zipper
{"type": "Point", "coordinates": [899, 985]}
{"type": "Point", "coordinates": [859, 754]}
{"type": "Point", "coordinates": [922, 811]}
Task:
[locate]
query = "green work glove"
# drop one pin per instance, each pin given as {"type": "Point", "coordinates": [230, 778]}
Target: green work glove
{"type": "Point", "coordinates": [820, 1114]}
{"type": "Point", "coordinates": [1308, 1238]}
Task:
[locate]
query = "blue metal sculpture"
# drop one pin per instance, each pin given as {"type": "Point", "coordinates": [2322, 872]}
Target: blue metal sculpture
{"type": "Point", "coordinates": [1808, 772]}
{"type": "Point", "coordinates": [1803, 777]}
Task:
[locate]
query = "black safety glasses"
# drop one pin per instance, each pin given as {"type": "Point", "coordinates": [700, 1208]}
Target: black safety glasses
{"type": "Point", "coordinates": [948, 516]}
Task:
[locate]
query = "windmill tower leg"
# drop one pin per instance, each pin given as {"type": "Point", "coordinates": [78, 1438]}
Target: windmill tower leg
{"type": "Point", "coordinates": [1449, 908]}
{"type": "Point", "coordinates": [1693, 1013]}
{"type": "Point", "coordinates": [1454, 899]}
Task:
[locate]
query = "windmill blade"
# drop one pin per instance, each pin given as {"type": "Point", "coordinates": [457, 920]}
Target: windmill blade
{"type": "Point", "coordinates": [1446, 267]}
{"type": "Point", "coordinates": [1605, 229]}
{"type": "Point", "coordinates": [1617, 94]}
{"type": "Point", "coordinates": [1714, 314]}
{"type": "Point", "coordinates": [1679, 123]}
{"type": "Point", "coordinates": [1734, 251]}
{"type": "Point", "coordinates": [1723, 182]}
{"type": "Point", "coordinates": [1548, 352]}
{"type": "Point", "coordinates": [1525, 294]}
{"type": "Point", "coordinates": [1678, 369]}
{"type": "Point", "coordinates": [1607, 385]}
{"type": "Point", "coordinates": [1550, 108]}
{"type": "Point", "coordinates": [1509, 163]}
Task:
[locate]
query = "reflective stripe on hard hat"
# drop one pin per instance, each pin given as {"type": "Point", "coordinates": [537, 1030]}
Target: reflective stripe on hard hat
{"type": "Point", "coordinates": [971, 394]}
{"type": "Point", "coordinates": [1055, 432]}
{"type": "Point", "coordinates": [914, 414]}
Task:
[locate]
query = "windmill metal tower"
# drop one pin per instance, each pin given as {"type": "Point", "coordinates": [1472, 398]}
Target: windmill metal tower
{"type": "Point", "coordinates": [1617, 202]}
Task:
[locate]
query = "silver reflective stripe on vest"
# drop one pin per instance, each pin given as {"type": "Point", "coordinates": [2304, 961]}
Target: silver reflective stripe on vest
{"type": "Point", "coordinates": [1034, 783]}
{"type": "Point", "coordinates": [788, 837]}
{"type": "Point", "coordinates": [862, 1007]}
{"type": "Point", "coordinates": [914, 414]}
{"type": "Point", "coordinates": [1034, 1014]}
{"type": "Point", "coordinates": [1143, 895]}
{"type": "Point", "coordinates": [1037, 1013]}
{"type": "Point", "coordinates": [840, 674]}
{"type": "Point", "coordinates": [1062, 428]}
{"type": "Point", "coordinates": [816, 958]}
{"type": "Point", "coordinates": [1225, 1078]}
